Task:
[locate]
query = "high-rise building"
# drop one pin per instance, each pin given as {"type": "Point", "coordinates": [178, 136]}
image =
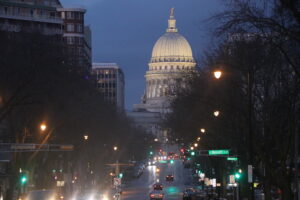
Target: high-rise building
{"type": "Point", "coordinates": [30, 16]}
{"type": "Point", "coordinates": [77, 38]}
{"type": "Point", "coordinates": [110, 82]}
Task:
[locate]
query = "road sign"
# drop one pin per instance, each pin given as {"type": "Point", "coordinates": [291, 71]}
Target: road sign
{"type": "Point", "coordinates": [232, 158]}
{"type": "Point", "coordinates": [117, 181]}
{"type": "Point", "coordinates": [66, 147]}
{"type": "Point", "coordinates": [250, 174]}
{"type": "Point", "coordinates": [22, 146]}
{"type": "Point", "coordinates": [231, 179]}
{"type": "Point", "coordinates": [218, 152]}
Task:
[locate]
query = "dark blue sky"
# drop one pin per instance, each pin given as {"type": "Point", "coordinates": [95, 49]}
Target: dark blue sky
{"type": "Point", "coordinates": [125, 31]}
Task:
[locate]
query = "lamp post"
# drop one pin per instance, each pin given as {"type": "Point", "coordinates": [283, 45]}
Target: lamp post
{"type": "Point", "coordinates": [115, 148]}
{"type": "Point", "coordinates": [217, 74]}
{"type": "Point", "coordinates": [250, 134]}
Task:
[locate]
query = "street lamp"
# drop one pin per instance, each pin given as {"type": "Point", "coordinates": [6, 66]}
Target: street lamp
{"type": "Point", "coordinates": [198, 139]}
{"type": "Point", "coordinates": [216, 113]}
{"type": "Point", "coordinates": [43, 127]}
{"type": "Point", "coordinates": [217, 74]}
{"type": "Point", "coordinates": [115, 148]}
{"type": "Point", "coordinates": [196, 145]}
{"type": "Point", "coordinates": [85, 137]}
{"type": "Point", "coordinates": [202, 130]}
{"type": "Point", "coordinates": [155, 140]}
{"type": "Point", "coordinates": [192, 148]}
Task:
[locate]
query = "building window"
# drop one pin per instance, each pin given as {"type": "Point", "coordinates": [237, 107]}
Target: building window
{"type": "Point", "coordinates": [5, 10]}
{"type": "Point", "coordinates": [70, 15]}
{"type": "Point", "coordinates": [70, 27]}
{"type": "Point", "coordinates": [79, 51]}
{"type": "Point", "coordinates": [80, 41]}
{"type": "Point", "coordinates": [80, 16]}
{"type": "Point", "coordinates": [79, 28]}
{"type": "Point", "coordinates": [70, 40]}
{"type": "Point", "coordinates": [63, 15]}
{"type": "Point", "coordinates": [31, 13]}
{"type": "Point", "coordinates": [76, 15]}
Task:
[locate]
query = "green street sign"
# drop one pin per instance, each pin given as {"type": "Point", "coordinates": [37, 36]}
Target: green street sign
{"type": "Point", "coordinates": [163, 161]}
{"type": "Point", "coordinates": [232, 158]}
{"type": "Point", "coordinates": [218, 152]}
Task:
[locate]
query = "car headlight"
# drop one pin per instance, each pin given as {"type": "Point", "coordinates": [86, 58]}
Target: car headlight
{"type": "Point", "coordinates": [105, 197]}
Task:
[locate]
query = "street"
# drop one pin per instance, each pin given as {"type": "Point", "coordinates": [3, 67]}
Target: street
{"type": "Point", "coordinates": [141, 187]}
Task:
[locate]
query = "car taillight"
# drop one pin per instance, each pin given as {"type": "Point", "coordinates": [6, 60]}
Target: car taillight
{"type": "Point", "coordinates": [161, 195]}
{"type": "Point", "coordinates": [152, 195]}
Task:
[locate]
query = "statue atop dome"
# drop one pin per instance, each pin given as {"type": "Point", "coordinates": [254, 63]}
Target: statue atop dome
{"type": "Point", "coordinates": [172, 13]}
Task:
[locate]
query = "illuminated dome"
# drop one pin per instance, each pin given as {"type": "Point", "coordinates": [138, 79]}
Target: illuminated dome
{"type": "Point", "coordinates": [171, 60]}
{"type": "Point", "coordinates": [172, 46]}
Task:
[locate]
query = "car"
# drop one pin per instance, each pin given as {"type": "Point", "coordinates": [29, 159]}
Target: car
{"type": "Point", "coordinates": [158, 186]}
{"type": "Point", "coordinates": [170, 178]}
{"type": "Point", "coordinates": [151, 162]}
{"type": "Point", "coordinates": [188, 194]}
{"type": "Point", "coordinates": [157, 195]}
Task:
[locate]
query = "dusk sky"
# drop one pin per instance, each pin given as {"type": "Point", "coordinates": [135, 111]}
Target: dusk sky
{"type": "Point", "coordinates": [125, 31]}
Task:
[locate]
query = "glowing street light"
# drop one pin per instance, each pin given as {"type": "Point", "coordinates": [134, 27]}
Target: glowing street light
{"type": "Point", "coordinates": [85, 137]}
{"type": "Point", "coordinates": [216, 113]}
{"type": "Point", "coordinates": [198, 139]}
{"type": "Point", "coordinates": [155, 140]}
{"type": "Point", "coordinates": [202, 130]}
{"type": "Point", "coordinates": [115, 148]}
{"type": "Point", "coordinates": [192, 148]}
{"type": "Point", "coordinates": [196, 145]}
{"type": "Point", "coordinates": [43, 127]}
{"type": "Point", "coordinates": [217, 74]}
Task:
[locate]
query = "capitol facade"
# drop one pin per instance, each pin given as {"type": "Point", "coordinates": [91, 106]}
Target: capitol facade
{"type": "Point", "coordinates": [171, 60]}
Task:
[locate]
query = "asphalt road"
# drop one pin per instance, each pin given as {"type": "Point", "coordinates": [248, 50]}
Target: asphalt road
{"type": "Point", "coordinates": [139, 189]}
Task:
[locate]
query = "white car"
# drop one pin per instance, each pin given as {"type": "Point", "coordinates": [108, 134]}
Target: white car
{"type": "Point", "coordinates": [157, 195]}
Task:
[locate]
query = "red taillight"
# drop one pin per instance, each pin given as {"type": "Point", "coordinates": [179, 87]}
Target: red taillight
{"type": "Point", "coordinates": [152, 195]}
{"type": "Point", "coordinates": [161, 195]}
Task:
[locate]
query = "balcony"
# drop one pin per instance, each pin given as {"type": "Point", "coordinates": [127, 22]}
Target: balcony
{"type": "Point", "coordinates": [29, 17]}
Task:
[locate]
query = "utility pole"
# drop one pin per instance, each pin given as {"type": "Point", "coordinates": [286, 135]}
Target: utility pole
{"type": "Point", "coordinates": [250, 134]}
{"type": "Point", "coordinates": [296, 161]}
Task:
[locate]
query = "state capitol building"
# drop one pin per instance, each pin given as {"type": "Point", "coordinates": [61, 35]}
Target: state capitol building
{"type": "Point", "coordinates": [172, 58]}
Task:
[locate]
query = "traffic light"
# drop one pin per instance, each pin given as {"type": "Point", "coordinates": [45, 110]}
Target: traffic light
{"type": "Point", "coordinates": [23, 179]}
{"type": "Point", "coordinates": [192, 153]}
{"type": "Point", "coordinates": [237, 175]}
{"type": "Point", "coordinates": [121, 175]}
{"type": "Point", "coordinates": [171, 161]}
{"type": "Point", "coordinates": [151, 153]}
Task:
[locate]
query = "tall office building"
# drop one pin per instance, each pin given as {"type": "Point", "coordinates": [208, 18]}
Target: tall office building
{"type": "Point", "coordinates": [77, 38]}
{"type": "Point", "coordinates": [31, 16]}
{"type": "Point", "coordinates": [110, 82]}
